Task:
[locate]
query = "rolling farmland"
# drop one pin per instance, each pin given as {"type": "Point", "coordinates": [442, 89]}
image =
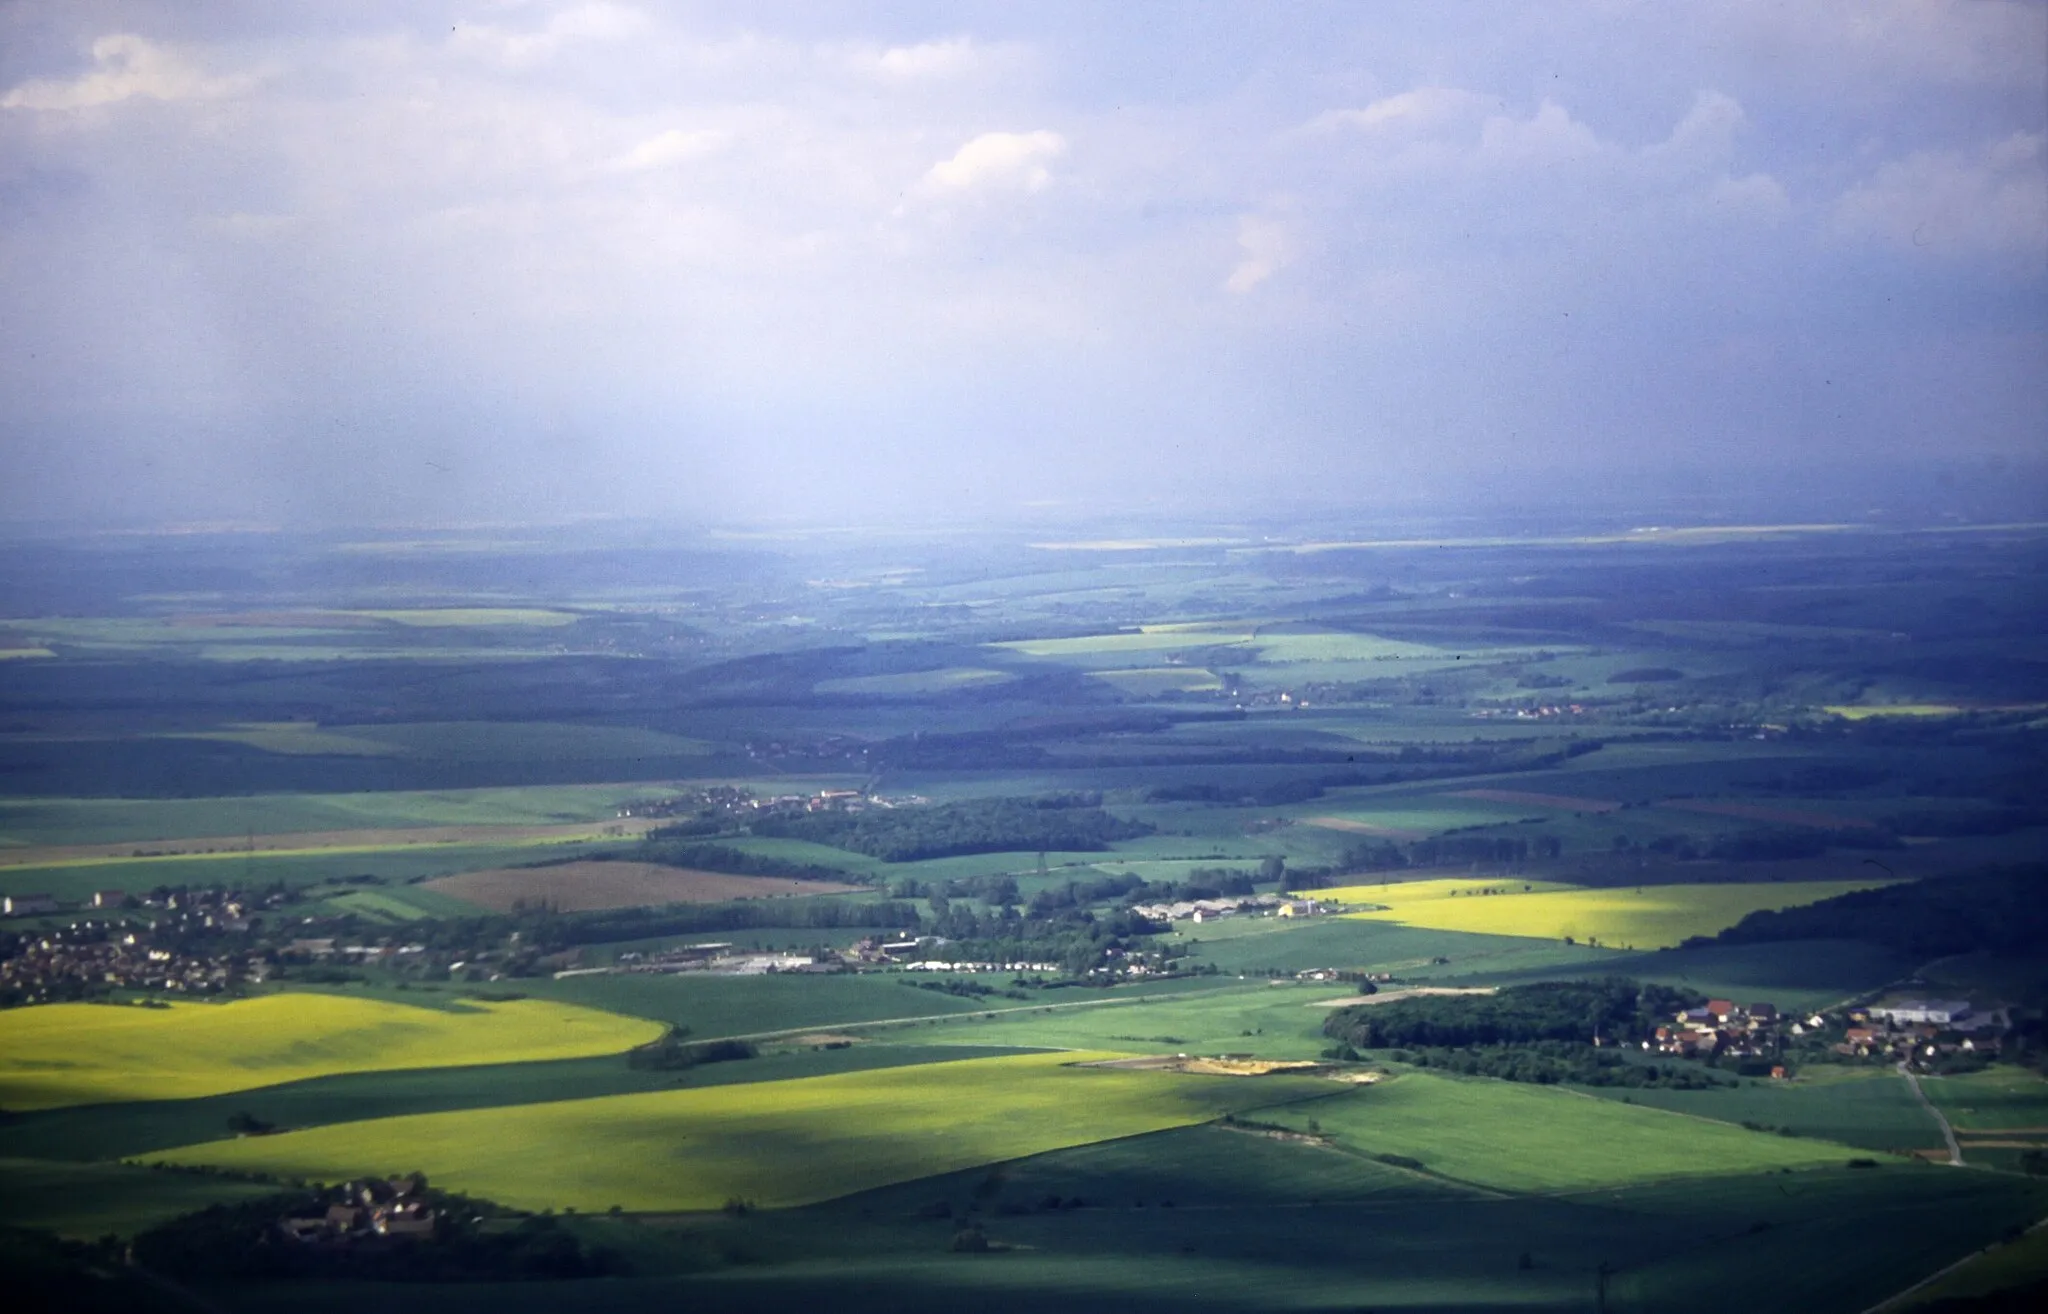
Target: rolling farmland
{"type": "Point", "coordinates": [66, 1054]}
{"type": "Point", "coordinates": [775, 1143]}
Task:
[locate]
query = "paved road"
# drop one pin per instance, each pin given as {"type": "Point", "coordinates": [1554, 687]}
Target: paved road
{"type": "Point", "coordinates": [1948, 1133]}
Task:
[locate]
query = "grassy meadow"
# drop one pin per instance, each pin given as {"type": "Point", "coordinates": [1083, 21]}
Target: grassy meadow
{"type": "Point", "coordinates": [1509, 1137]}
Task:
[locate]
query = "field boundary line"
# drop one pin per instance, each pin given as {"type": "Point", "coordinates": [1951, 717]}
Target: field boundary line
{"type": "Point", "coordinates": [973, 1013]}
{"type": "Point", "coordinates": [1892, 1300]}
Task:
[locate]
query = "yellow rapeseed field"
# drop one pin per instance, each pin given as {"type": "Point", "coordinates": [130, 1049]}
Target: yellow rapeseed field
{"type": "Point", "coordinates": [775, 1143]}
{"type": "Point", "coordinates": [62, 1054]}
{"type": "Point", "coordinates": [1633, 917]}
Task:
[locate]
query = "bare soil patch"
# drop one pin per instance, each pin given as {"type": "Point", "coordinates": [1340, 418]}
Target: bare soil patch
{"type": "Point", "coordinates": [589, 886]}
{"type": "Point", "coordinates": [1763, 812]}
{"type": "Point", "coordinates": [1216, 1067]}
{"type": "Point", "coordinates": [1524, 798]}
{"type": "Point", "coordinates": [1349, 826]}
{"type": "Point", "coordinates": [37, 855]}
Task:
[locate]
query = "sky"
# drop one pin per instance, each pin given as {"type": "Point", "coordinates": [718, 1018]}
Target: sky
{"type": "Point", "coordinates": [310, 263]}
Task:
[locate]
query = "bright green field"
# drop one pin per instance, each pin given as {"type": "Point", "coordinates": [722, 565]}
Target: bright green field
{"type": "Point", "coordinates": [63, 1054]}
{"type": "Point", "coordinates": [1642, 917]}
{"type": "Point", "coordinates": [775, 1143]}
{"type": "Point", "coordinates": [1533, 1138]}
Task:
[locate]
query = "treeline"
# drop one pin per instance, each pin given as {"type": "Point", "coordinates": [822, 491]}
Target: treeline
{"type": "Point", "coordinates": [241, 1242]}
{"type": "Point", "coordinates": [674, 1053]}
{"type": "Point", "coordinates": [665, 847]}
{"type": "Point", "coordinates": [2001, 911]}
{"type": "Point", "coordinates": [995, 825]}
{"type": "Point", "coordinates": [1573, 1011]}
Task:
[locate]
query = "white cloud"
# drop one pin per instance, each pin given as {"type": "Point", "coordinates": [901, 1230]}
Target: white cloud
{"type": "Point", "coordinates": [1990, 201]}
{"type": "Point", "coordinates": [516, 50]}
{"type": "Point", "coordinates": [672, 147]}
{"type": "Point", "coordinates": [1424, 107]}
{"type": "Point", "coordinates": [1550, 137]}
{"type": "Point", "coordinates": [1269, 247]}
{"type": "Point", "coordinates": [128, 66]}
{"type": "Point", "coordinates": [1009, 160]}
{"type": "Point", "coordinates": [951, 57]}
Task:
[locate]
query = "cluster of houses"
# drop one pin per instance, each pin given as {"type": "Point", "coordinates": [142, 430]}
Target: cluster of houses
{"type": "Point", "coordinates": [1209, 910]}
{"type": "Point", "coordinates": [1920, 1031]}
{"type": "Point", "coordinates": [95, 954]}
{"type": "Point", "coordinates": [1914, 1030]}
{"type": "Point", "coordinates": [1721, 1028]}
{"type": "Point", "coordinates": [361, 1211]}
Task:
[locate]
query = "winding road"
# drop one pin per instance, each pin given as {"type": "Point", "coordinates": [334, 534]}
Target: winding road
{"type": "Point", "coordinates": [1948, 1133]}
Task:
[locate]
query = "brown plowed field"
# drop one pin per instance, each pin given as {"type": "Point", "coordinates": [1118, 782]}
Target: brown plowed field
{"type": "Point", "coordinates": [588, 886]}
{"type": "Point", "coordinates": [1349, 826]}
{"type": "Point", "coordinates": [1761, 812]}
{"type": "Point", "coordinates": [1523, 798]}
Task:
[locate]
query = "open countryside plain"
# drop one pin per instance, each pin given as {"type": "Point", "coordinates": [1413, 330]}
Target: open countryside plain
{"type": "Point", "coordinates": [776, 1143]}
{"type": "Point", "coordinates": [988, 765]}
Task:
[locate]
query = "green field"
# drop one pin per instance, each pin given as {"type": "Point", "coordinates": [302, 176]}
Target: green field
{"type": "Point", "coordinates": [777, 1143]}
{"type": "Point", "coordinates": [87, 1201]}
{"type": "Point", "coordinates": [90, 1132]}
{"type": "Point", "coordinates": [63, 1054]}
{"type": "Point", "coordinates": [1867, 1107]}
{"type": "Point", "coordinates": [1510, 1137]}
{"type": "Point", "coordinates": [118, 820]}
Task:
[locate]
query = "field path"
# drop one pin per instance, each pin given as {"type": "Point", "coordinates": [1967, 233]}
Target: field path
{"type": "Point", "coordinates": [1892, 1301]}
{"type": "Point", "coordinates": [1948, 1133]}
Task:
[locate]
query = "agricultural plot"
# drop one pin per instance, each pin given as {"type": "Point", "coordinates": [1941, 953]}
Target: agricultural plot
{"type": "Point", "coordinates": [1866, 1107]}
{"type": "Point", "coordinates": [1998, 1114]}
{"type": "Point", "coordinates": [100, 1132]}
{"type": "Point", "coordinates": [64, 1054]}
{"type": "Point", "coordinates": [1510, 1137]}
{"type": "Point", "coordinates": [230, 821]}
{"type": "Point", "coordinates": [1646, 917]}
{"type": "Point", "coordinates": [1260, 944]}
{"type": "Point", "coordinates": [915, 683]}
{"type": "Point", "coordinates": [777, 1143]}
{"type": "Point", "coordinates": [584, 886]}
{"type": "Point", "coordinates": [86, 1201]}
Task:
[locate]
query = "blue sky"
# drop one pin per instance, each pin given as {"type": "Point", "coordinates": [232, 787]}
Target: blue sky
{"type": "Point", "coordinates": [313, 262]}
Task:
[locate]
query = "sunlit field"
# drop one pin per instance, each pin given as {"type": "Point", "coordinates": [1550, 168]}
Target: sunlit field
{"type": "Point", "coordinates": [63, 1054]}
{"type": "Point", "coordinates": [1644, 917]}
{"type": "Point", "coordinates": [772, 1143]}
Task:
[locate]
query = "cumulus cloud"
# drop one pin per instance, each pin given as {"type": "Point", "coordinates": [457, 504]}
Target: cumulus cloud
{"type": "Point", "coordinates": [1268, 245]}
{"type": "Point", "coordinates": [514, 49]}
{"type": "Point", "coordinates": [1993, 200]}
{"type": "Point", "coordinates": [672, 147]}
{"type": "Point", "coordinates": [999, 160]}
{"type": "Point", "coordinates": [126, 66]}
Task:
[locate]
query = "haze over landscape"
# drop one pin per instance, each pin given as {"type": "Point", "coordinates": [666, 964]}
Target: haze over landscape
{"type": "Point", "coordinates": [293, 263]}
{"type": "Point", "coordinates": [1184, 658]}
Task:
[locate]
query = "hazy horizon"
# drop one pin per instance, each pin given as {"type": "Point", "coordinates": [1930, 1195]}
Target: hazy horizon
{"type": "Point", "coordinates": [526, 262]}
